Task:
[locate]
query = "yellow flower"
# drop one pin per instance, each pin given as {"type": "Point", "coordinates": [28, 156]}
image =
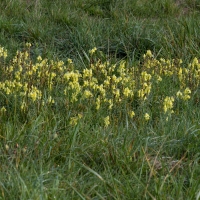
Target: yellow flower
{"type": "Point", "coordinates": [85, 83]}
{"type": "Point", "coordinates": [187, 91]}
{"type": "Point", "coordinates": [92, 51]}
{"type": "Point", "coordinates": [148, 54]}
{"type": "Point", "coordinates": [158, 79]}
{"type": "Point", "coordinates": [7, 147]}
{"type": "Point", "coordinates": [33, 95]}
{"type": "Point", "coordinates": [87, 73]}
{"type": "Point", "coordinates": [87, 94]}
{"type": "Point", "coordinates": [80, 115]}
{"type": "Point", "coordinates": [146, 116]}
{"type": "Point", "coordinates": [145, 76]}
{"type": "Point", "coordinates": [39, 58]}
{"type": "Point", "coordinates": [7, 90]}
{"type": "Point", "coordinates": [26, 55]}
{"type": "Point", "coordinates": [74, 120]}
{"type": "Point", "coordinates": [131, 114]}
{"type": "Point", "coordinates": [69, 61]}
{"type": "Point", "coordinates": [116, 93]}
{"type": "Point", "coordinates": [107, 121]}
{"type": "Point", "coordinates": [179, 94]}
{"type": "Point", "coordinates": [3, 52]}
{"type": "Point", "coordinates": [98, 103]}
{"type": "Point", "coordinates": [23, 106]}
{"type": "Point", "coordinates": [127, 92]}
{"type": "Point", "coordinates": [185, 95]}
{"type": "Point", "coordinates": [50, 100]}
{"type": "Point", "coordinates": [28, 44]}
{"type": "Point", "coordinates": [3, 109]}
{"type": "Point", "coordinates": [168, 104]}
{"type": "Point", "coordinates": [102, 90]}
{"type": "Point", "coordinates": [110, 101]}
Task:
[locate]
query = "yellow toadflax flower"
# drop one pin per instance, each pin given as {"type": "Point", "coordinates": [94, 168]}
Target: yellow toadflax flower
{"type": "Point", "coordinates": [87, 73]}
{"type": "Point", "coordinates": [98, 102]}
{"type": "Point", "coordinates": [127, 92]}
{"type": "Point", "coordinates": [187, 93]}
{"type": "Point", "coordinates": [3, 52]}
{"type": "Point", "coordinates": [69, 61]}
{"type": "Point", "coordinates": [28, 44]}
{"type": "Point", "coordinates": [92, 51]}
{"type": "Point", "coordinates": [50, 100]}
{"type": "Point", "coordinates": [39, 58]}
{"type": "Point", "coordinates": [74, 120]}
{"type": "Point", "coordinates": [179, 94]}
{"type": "Point", "coordinates": [146, 116]}
{"type": "Point", "coordinates": [3, 109]}
{"type": "Point", "coordinates": [148, 54]}
{"type": "Point", "coordinates": [168, 104]}
{"type": "Point", "coordinates": [23, 106]}
{"type": "Point", "coordinates": [87, 94]}
{"type": "Point", "coordinates": [131, 114]}
{"type": "Point", "coordinates": [107, 121]}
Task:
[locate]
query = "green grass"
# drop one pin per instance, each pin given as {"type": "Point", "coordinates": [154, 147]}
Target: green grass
{"type": "Point", "coordinates": [42, 156]}
{"type": "Point", "coordinates": [125, 28]}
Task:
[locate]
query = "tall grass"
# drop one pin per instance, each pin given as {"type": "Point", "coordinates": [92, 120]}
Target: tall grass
{"type": "Point", "coordinates": [126, 28]}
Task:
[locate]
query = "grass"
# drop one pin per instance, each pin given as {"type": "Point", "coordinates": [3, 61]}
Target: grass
{"type": "Point", "coordinates": [54, 141]}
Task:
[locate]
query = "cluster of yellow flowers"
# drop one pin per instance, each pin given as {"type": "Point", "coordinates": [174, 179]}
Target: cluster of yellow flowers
{"type": "Point", "coordinates": [118, 88]}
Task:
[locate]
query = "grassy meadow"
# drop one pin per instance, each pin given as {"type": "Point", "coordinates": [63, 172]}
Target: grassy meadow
{"type": "Point", "coordinates": [99, 99]}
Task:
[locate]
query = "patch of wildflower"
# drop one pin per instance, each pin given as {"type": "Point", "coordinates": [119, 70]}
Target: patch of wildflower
{"type": "Point", "coordinates": [101, 85]}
